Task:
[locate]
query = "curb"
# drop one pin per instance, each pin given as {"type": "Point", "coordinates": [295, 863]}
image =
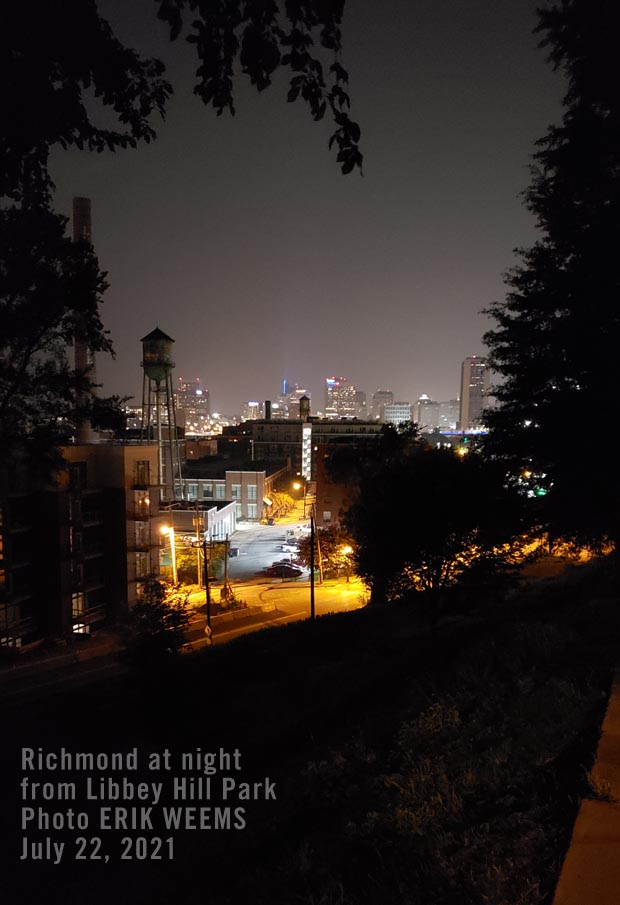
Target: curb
{"type": "Point", "coordinates": [590, 873]}
{"type": "Point", "coordinates": [246, 613]}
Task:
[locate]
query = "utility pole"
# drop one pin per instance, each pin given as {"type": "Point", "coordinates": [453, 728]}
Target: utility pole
{"type": "Point", "coordinates": [318, 550]}
{"type": "Point", "coordinates": [197, 523]}
{"type": "Point", "coordinates": [312, 612]}
{"type": "Point", "coordinates": [207, 582]}
{"type": "Point", "coordinates": [227, 591]}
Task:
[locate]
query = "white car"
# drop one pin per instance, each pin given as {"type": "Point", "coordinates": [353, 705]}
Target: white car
{"type": "Point", "coordinates": [289, 548]}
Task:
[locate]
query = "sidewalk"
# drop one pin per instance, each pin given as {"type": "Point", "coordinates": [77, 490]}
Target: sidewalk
{"type": "Point", "coordinates": [104, 643]}
{"type": "Point", "coordinates": [591, 870]}
{"type": "Point", "coordinates": [42, 659]}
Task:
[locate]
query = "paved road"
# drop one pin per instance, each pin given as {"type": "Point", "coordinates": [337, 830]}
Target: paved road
{"type": "Point", "coordinates": [284, 601]}
{"type": "Point", "coordinates": [258, 546]}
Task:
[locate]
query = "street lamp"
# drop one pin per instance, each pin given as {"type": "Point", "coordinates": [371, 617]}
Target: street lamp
{"type": "Point", "coordinates": [299, 486]}
{"type": "Point", "coordinates": [347, 550]}
{"type": "Point", "coordinates": [169, 530]}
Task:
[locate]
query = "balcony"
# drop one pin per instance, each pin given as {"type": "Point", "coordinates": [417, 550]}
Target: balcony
{"type": "Point", "coordinates": [91, 615]}
{"type": "Point", "coordinates": [138, 513]}
{"type": "Point", "coordinates": [142, 546]}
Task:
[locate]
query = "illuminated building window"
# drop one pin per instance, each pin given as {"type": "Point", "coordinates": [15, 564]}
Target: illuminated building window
{"type": "Point", "coordinates": [78, 604]}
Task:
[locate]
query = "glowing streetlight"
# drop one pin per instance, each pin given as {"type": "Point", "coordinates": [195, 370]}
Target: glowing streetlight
{"type": "Point", "coordinates": [169, 530]}
{"type": "Point", "coordinates": [297, 485]}
{"type": "Point", "coordinates": [346, 551]}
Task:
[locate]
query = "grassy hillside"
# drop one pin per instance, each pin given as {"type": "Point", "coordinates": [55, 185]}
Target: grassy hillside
{"type": "Point", "coordinates": [437, 766]}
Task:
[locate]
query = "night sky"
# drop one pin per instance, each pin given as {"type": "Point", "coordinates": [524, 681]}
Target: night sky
{"type": "Point", "coordinates": [241, 239]}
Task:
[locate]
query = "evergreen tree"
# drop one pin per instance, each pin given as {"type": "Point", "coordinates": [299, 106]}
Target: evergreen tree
{"type": "Point", "coordinates": [558, 331]}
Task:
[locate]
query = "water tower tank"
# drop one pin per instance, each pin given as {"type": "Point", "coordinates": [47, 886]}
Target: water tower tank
{"type": "Point", "coordinates": [157, 355]}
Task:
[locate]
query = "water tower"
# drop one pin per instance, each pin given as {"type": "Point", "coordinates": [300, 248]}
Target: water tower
{"type": "Point", "coordinates": [158, 411]}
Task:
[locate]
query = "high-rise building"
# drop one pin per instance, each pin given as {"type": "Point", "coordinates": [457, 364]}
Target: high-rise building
{"type": "Point", "coordinates": [379, 400]}
{"type": "Point", "coordinates": [193, 405]}
{"type": "Point", "coordinates": [475, 385]}
{"type": "Point", "coordinates": [289, 400]}
{"type": "Point", "coordinates": [427, 414]}
{"type": "Point", "coordinates": [448, 415]}
{"type": "Point", "coordinates": [396, 412]}
{"type": "Point", "coordinates": [251, 411]}
{"type": "Point", "coordinates": [340, 401]}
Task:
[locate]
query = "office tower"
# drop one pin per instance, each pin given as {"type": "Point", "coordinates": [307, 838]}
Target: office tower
{"type": "Point", "coordinates": [448, 414]}
{"type": "Point", "coordinates": [193, 406]}
{"type": "Point", "coordinates": [340, 398]}
{"type": "Point", "coordinates": [427, 414]}
{"type": "Point", "coordinates": [251, 411]}
{"type": "Point", "coordinates": [360, 404]}
{"type": "Point", "coordinates": [475, 384]}
{"type": "Point", "coordinates": [379, 400]}
{"type": "Point", "coordinates": [396, 412]}
{"type": "Point", "coordinates": [289, 400]}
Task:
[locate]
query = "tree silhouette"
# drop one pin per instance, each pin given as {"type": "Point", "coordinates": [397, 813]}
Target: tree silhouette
{"type": "Point", "coordinates": [65, 66]}
{"type": "Point", "coordinates": [558, 331]}
{"type": "Point", "coordinates": [427, 519]}
{"type": "Point", "coordinates": [62, 68]}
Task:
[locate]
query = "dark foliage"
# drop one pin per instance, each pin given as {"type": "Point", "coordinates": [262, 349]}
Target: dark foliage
{"type": "Point", "coordinates": [47, 284]}
{"type": "Point", "coordinates": [334, 543]}
{"type": "Point", "coordinates": [53, 57]}
{"type": "Point", "coordinates": [262, 37]}
{"type": "Point", "coordinates": [155, 631]}
{"type": "Point", "coordinates": [558, 331]}
{"type": "Point", "coordinates": [65, 66]}
{"type": "Point", "coordinates": [65, 73]}
{"type": "Point", "coordinates": [411, 766]}
{"type": "Point", "coordinates": [460, 516]}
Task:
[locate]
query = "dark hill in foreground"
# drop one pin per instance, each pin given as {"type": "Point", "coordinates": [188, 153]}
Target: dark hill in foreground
{"type": "Point", "coordinates": [412, 765]}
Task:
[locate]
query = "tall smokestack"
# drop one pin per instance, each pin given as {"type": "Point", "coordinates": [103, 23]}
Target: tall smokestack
{"type": "Point", "coordinates": [82, 224]}
{"type": "Point", "coordinates": [84, 360]}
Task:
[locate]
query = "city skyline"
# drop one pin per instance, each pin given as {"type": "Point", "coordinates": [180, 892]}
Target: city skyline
{"type": "Point", "coordinates": [241, 239]}
{"type": "Point", "coordinates": [317, 404]}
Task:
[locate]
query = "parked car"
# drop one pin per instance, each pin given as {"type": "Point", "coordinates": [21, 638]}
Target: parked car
{"type": "Point", "coordinates": [289, 548]}
{"type": "Point", "coordinates": [283, 570]}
